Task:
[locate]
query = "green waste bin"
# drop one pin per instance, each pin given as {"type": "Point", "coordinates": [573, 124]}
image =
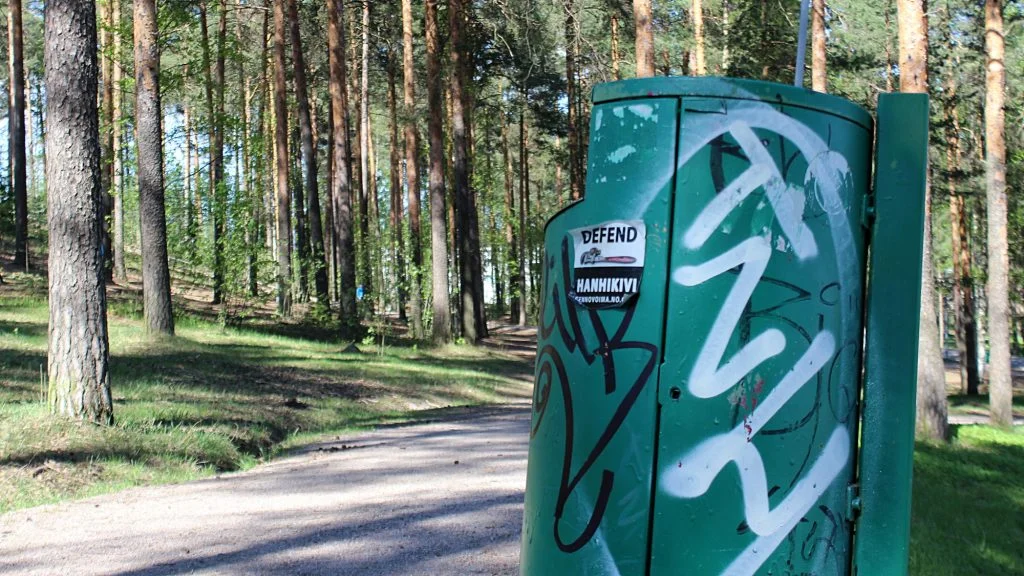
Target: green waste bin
{"type": "Point", "coordinates": [701, 354]}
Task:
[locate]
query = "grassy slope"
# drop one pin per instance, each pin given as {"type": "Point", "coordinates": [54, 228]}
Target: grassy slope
{"type": "Point", "coordinates": [212, 399]}
{"type": "Point", "coordinates": [968, 507]}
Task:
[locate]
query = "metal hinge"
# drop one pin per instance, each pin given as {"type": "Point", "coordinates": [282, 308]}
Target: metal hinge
{"type": "Point", "coordinates": [867, 210]}
{"type": "Point", "coordinates": [853, 501]}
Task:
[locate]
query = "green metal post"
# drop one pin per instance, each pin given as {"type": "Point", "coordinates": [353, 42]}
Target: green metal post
{"type": "Point", "coordinates": [894, 300]}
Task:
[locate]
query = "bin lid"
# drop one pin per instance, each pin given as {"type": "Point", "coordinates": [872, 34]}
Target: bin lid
{"type": "Point", "coordinates": [736, 88]}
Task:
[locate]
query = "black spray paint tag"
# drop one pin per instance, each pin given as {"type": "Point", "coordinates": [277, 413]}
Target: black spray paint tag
{"type": "Point", "coordinates": [609, 262]}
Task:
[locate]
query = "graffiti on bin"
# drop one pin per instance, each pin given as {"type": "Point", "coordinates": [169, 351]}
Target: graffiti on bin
{"type": "Point", "coordinates": [692, 473]}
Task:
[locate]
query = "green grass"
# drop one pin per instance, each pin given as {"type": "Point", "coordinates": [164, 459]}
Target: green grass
{"type": "Point", "coordinates": [968, 504]}
{"type": "Point", "coordinates": [213, 399]}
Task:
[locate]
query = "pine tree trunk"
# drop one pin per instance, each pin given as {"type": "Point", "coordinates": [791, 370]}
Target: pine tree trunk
{"type": "Point", "coordinates": [30, 152]}
{"type": "Point", "coordinates": [441, 324]}
{"type": "Point", "coordinates": [476, 259]}
{"type": "Point", "coordinates": [315, 244]}
{"type": "Point", "coordinates": [963, 289]}
{"type": "Point", "coordinates": [511, 221]}
{"type": "Point", "coordinates": [342, 170]}
{"type": "Point", "coordinates": [559, 191]}
{"type": "Point", "coordinates": [397, 239]}
{"type": "Point", "coordinates": [931, 378]}
{"type": "Point", "coordinates": [819, 79]}
{"type": "Point", "coordinates": [614, 20]}
{"type": "Point", "coordinates": [524, 208]}
{"type": "Point", "coordinates": [697, 14]}
{"type": "Point", "coordinates": [332, 250]}
{"type": "Point", "coordinates": [283, 220]}
{"type": "Point", "coordinates": [218, 192]}
{"type": "Point", "coordinates": [106, 122]}
{"type": "Point", "coordinates": [464, 202]}
{"type": "Point", "coordinates": [249, 193]}
{"type": "Point", "coordinates": [575, 184]}
{"type": "Point", "coordinates": [16, 131]}
{"type": "Point", "coordinates": [191, 212]}
{"type": "Point", "coordinates": [412, 170]}
{"type": "Point", "coordinates": [78, 353]}
{"type": "Point", "coordinates": [258, 191]}
{"type": "Point", "coordinates": [765, 27]}
{"type": "Point", "coordinates": [299, 205]}
{"type": "Point", "coordinates": [377, 303]}
{"type": "Point", "coordinates": [366, 244]}
{"type": "Point", "coordinates": [453, 230]}
{"type": "Point", "coordinates": [888, 47]}
{"type": "Point", "coordinates": [120, 269]}
{"type": "Point", "coordinates": [644, 38]}
{"type": "Point", "coordinates": [156, 277]}
{"type": "Point", "coordinates": [1000, 383]}
{"type": "Point", "coordinates": [726, 23]}
{"type": "Point", "coordinates": [204, 40]}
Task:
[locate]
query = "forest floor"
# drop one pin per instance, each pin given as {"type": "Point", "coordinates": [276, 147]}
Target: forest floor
{"type": "Point", "coordinates": [220, 397]}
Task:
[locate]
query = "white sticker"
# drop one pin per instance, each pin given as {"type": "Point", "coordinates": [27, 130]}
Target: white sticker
{"type": "Point", "coordinates": [609, 262]}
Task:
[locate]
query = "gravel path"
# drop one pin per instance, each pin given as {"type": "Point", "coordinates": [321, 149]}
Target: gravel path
{"type": "Point", "coordinates": [433, 499]}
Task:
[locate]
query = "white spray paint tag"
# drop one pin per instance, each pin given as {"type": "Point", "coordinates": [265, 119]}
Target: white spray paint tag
{"type": "Point", "coordinates": [609, 262]}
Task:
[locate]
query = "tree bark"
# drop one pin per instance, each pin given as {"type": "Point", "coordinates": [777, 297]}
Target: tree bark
{"type": "Point", "coordinates": [819, 78]}
{"type": "Point", "coordinates": [1000, 384]}
{"type": "Point", "coordinates": [30, 152]}
{"type": "Point", "coordinates": [299, 205]}
{"type": "Point", "coordinates": [511, 241]}
{"type": "Point", "coordinates": [106, 122]}
{"type": "Point", "coordinates": [260, 163]}
{"type": "Point", "coordinates": [441, 323]}
{"type": "Point", "coordinates": [156, 277]}
{"type": "Point", "coordinates": [363, 151]}
{"type": "Point", "coordinates": [283, 220]}
{"type": "Point", "coordinates": [726, 24]}
{"type": "Point", "coordinates": [252, 225]}
{"type": "Point", "coordinates": [575, 183]}
{"type": "Point", "coordinates": [78, 352]}
{"type": "Point", "coordinates": [888, 47]}
{"type": "Point", "coordinates": [332, 250]}
{"type": "Point", "coordinates": [194, 209]}
{"type": "Point", "coordinates": [316, 239]}
{"type": "Point", "coordinates": [211, 113]}
{"type": "Point", "coordinates": [963, 283]}
{"type": "Point", "coordinates": [931, 378]}
{"type": "Point", "coordinates": [644, 38]}
{"type": "Point", "coordinates": [120, 269]}
{"type": "Point", "coordinates": [614, 21]}
{"type": "Point", "coordinates": [697, 14]}
{"type": "Point", "coordinates": [524, 208]}
{"type": "Point", "coordinates": [397, 239]}
{"type": "Point", "coordinates": [464, 201]}
{"type": "Point", "coordinates": [412, 170]}
{"type": "Point", "coordinates": [16, 131]}
{"type": "Point", "coordinates": [342, 170]}
{"type": "Point", "coordinates": [218, 192]}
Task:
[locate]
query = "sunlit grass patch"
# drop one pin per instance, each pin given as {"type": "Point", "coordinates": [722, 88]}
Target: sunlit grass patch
{"type": "Point", "coordinates": [968, 504]}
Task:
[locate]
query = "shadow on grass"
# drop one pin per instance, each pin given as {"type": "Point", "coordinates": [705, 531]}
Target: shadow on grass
{"type": "Point", "coordinates": [968, 507]}
{"type": "Point", "coordinates": [980, 401]}
{"type": "Point", "coordinates": [222, 400]}
{"type": "Point", "coordinates": [25, 329]}
{"type": "Point", "coordinates": [20, 373]}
